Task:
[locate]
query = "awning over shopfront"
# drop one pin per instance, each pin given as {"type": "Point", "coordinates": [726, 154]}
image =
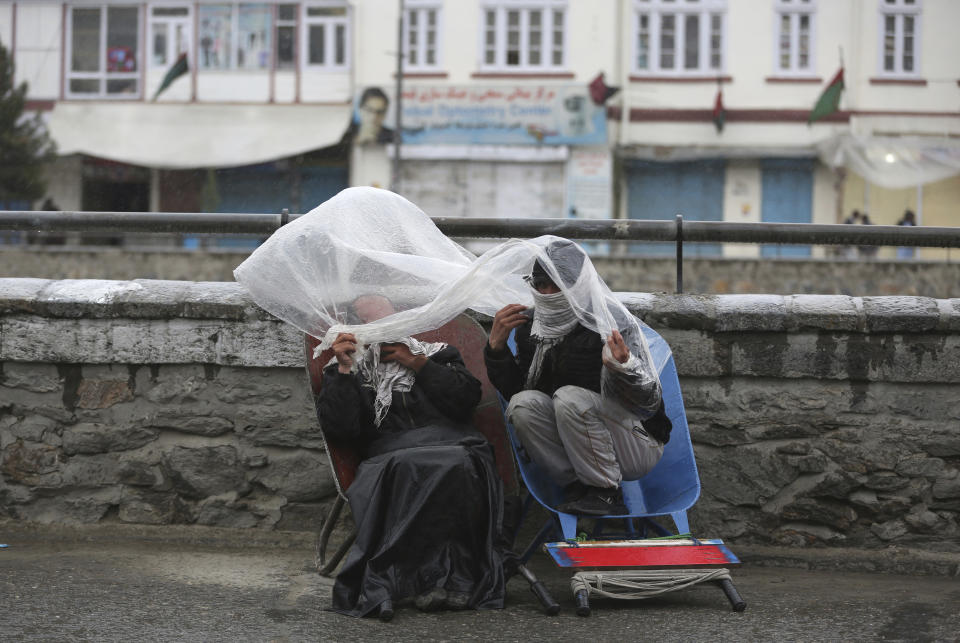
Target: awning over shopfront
{"type": "Point", "coordinates": [184, 136]}
{"type": "Point", "coordinates": [894, 161]}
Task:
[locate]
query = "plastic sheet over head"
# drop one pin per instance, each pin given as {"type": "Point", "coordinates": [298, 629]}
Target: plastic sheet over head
{"type": "Point", "coordinates": [369, 241]}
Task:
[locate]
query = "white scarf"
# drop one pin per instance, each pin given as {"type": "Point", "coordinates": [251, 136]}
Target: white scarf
{"type": "Point", "coordinates": [553, 319]}
{"type": "Point", "coordinates": [387, 377]}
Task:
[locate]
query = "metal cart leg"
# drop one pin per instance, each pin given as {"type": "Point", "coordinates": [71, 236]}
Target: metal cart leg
{"type": "Point", "coordinates": [540, 591]}
{"type": "Point", "coordinates": [582, 598]}
{"type": "Point", "coordinates": [733, 595]}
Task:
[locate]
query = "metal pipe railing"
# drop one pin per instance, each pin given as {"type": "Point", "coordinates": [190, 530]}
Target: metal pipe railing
{"type": "Point", "coordinates": [493, 228]}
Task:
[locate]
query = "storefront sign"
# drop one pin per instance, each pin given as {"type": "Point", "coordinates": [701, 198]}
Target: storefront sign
{"type": "Point", "coordinates": [502, 115]}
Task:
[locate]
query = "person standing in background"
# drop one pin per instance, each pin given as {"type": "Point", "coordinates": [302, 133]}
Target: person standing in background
{"type": "Point", "coordinates": [908, 219]}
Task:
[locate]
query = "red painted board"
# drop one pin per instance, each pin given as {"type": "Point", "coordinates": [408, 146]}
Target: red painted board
{"type": "Point", "coordinates": [705, 554]}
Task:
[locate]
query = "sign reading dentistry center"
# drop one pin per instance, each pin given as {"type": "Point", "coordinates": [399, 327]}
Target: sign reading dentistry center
{"type": "Point", "coordinates": [501, 115]}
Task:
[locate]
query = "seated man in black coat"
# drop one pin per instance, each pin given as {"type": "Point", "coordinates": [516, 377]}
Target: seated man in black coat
{"type": "Point", "coordinates": [427, 501]}
{"type": "Point", "coordinates": [586, 409]}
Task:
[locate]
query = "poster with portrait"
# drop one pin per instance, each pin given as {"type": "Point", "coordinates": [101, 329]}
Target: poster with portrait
{"type": "Point", "coordinates": [481, 115]}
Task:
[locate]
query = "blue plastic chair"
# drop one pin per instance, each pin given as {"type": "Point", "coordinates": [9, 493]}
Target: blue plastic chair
{"type": "Point", "coordinates": [670, 489]}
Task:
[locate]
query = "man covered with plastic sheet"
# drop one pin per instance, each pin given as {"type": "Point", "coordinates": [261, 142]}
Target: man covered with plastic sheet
{"type": "Point", "coordinates": [367, 241]}
{"type": "Point", "coordinates": [426, 499]}
{"type": "Point", "coordinates": [587, 409]}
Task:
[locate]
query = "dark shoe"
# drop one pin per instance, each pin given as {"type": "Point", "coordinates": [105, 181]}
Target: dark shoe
{"type": "Point", "coordinates": [574, 491]}
{"type": "Point", "coordinates": [431, 601]}
{"type": "Point", "coordinates": [597, 501]}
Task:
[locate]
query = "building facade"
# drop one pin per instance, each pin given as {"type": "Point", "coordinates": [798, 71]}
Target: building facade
{"type": "Point", "coordinates": [503, 107]}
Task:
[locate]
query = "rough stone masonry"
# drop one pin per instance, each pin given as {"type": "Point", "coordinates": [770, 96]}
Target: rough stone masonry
{"type": "Point", "coordinates": [816, 420]}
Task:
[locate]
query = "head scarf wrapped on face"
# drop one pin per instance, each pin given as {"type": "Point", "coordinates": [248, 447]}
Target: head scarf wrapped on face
{"type": "Point", "coordinates": [553, 316]}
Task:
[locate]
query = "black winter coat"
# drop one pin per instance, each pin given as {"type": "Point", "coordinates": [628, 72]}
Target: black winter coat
{"type": "Point", "coordinates": [444, 396]}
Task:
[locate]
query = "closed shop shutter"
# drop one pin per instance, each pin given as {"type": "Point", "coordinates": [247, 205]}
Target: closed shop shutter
{"type": "Point", "coordinates": [786, 197]}
{"type": "Point", "coordinates": [465, 188]}
{"type": "Point", "coordinates": [660, 191]}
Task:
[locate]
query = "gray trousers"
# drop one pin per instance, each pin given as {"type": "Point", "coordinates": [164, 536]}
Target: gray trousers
{"type": "Point", "coordinates": [577, 435]}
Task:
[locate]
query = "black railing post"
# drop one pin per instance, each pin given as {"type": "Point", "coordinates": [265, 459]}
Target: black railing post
{"type": "Point", "coordinates": [284, 217]}
{"type": "Point", "coordinates": [679, 254]}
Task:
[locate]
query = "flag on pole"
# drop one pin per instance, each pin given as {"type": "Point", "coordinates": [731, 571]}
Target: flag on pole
{"type": "Point", "coordinates": [719, 111]}
{"type": "Point", "coordinates": [829, 100]}
{"type": "Point", "coordinates": [600, 91]}
{"type": "Point", "coordinates": [179, 68]}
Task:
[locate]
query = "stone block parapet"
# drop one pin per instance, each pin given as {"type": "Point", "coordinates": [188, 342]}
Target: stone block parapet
{"type": "Point", "coordinates": [816, 419]}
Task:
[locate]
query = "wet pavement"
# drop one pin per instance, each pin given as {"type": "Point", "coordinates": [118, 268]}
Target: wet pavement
{"type": "Point", "coordinates": [102, 590]}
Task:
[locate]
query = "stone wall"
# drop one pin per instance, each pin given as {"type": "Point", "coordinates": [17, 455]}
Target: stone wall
{"type": "Point", "coordinates": [815, 419]}
{"type": "Point", "coordinates": [622, 274]}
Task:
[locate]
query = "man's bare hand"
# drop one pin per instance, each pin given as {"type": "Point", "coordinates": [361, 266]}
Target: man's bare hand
{"type": "Point", "coordinates": [618, 347]}
{"type": "Point", "coordinates": [401, 354]}
{"type": "Point", "coordinates": [344, 346]}
{"type": "Point", "coordinates": [506, 319]}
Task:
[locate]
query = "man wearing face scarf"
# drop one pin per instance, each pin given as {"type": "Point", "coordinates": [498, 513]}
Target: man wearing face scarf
{"type": "Point", "coordinates": [426, 500]}
{"type": "Point", "coordinates": [581, 405]}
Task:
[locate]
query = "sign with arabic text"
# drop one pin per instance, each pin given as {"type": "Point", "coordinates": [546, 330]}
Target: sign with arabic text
{"type": "Point", "coordinates": [500, 115]}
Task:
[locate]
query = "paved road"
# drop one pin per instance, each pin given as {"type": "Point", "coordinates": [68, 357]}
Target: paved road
{"type": "Point", "coordinates": [126, 591]}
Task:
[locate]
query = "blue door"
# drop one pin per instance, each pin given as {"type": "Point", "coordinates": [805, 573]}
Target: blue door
{"type": "Point", "coordinates": [267, 188]}
{"type": "Point", "coordinates": [786, 197]}
{"type": "Point", "coordinates": [664, 190]}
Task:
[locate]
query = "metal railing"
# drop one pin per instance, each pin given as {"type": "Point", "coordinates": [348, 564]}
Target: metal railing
{"type": "Point", "coordinates": [677, 231]}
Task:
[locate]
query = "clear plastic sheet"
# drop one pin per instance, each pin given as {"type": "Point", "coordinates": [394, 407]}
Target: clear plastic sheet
{"type": "Point", "coordinates": [369, 241]}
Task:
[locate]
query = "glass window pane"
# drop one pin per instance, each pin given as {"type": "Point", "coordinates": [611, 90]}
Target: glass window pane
{"type": "Point", "coordinates": [667, 26]}
{"type": "Point", "coordinates": [643, 41]}
{"type": "Point", "coordinates": [691, 42]}
{"type": "Point", "coordinates": [85, 30]}
{"type": "Point", "coordinates": [122, 86]}
{"type": "Point", "coordinates": [716, 40]}
{"type": "Point", "coordinates": [317, 44]}
{"type": "Point", "coordinates": [432, 17]}
{"type": "Point", "coordinates": [803, 53]}
{"type": "Point", "coordinates": [341, 44]}
{"type": "Point", "coordinates": [316, 12]}
{"type": "Point", "coordinates": [160, 43]}
{"type": "Point", "coordinates": [161, 12]}
{"type": "Point", "coordinates": [84, 86]}
{"type": "Point", "coordinates": [123, 26]}
{"type": "Point", "coordinates": [287, 12]}
{"type": "Point", "coordinates": [180, 39]}
{"type": "Point", "coordinates": [253, 36]}
{"type": "Point", "coordinates": [785, 41]}
{"type": "Point", "coordinates": [285, 46]}
{"type": "Point", "coordinates": [215, 35]}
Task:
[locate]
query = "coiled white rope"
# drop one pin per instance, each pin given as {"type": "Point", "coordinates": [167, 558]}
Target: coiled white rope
{"type": "Point", "coordinates": [643, 583]}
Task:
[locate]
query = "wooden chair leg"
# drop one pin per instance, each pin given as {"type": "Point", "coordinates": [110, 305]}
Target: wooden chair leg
{"type": "Point", "coordinates": [327, 529]}
{"type": "Point", "coordinates": [342, 550]}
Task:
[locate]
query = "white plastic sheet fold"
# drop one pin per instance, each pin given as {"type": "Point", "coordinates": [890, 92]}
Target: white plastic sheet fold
{"type": "Point", "coordinates": [368, 241]}
{"type": "Point", "coordinates": [894, 161]}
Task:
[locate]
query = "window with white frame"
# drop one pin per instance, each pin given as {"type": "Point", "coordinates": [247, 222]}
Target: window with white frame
{"type": "Point", "coordinates": [170, 28]}
{"type": "Point", "coordinates": [899, 35]}
{"type": "Point", "coordinates": [795, 31]}
{"type": "Point", "coordinates": [326, 34]}
{"type": "Point", "coordinates": [286, 36]}
{"type": "Point", "coordinates": [677, 37]}
{"type": "Point", "coordinates": [421, 37]}
{"type": "Point", "coordinates": [234, 35]}
{"type": "Point", "coordinates": [524, 36]}
{"type": "Point", "coordinates": [104, 51]}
